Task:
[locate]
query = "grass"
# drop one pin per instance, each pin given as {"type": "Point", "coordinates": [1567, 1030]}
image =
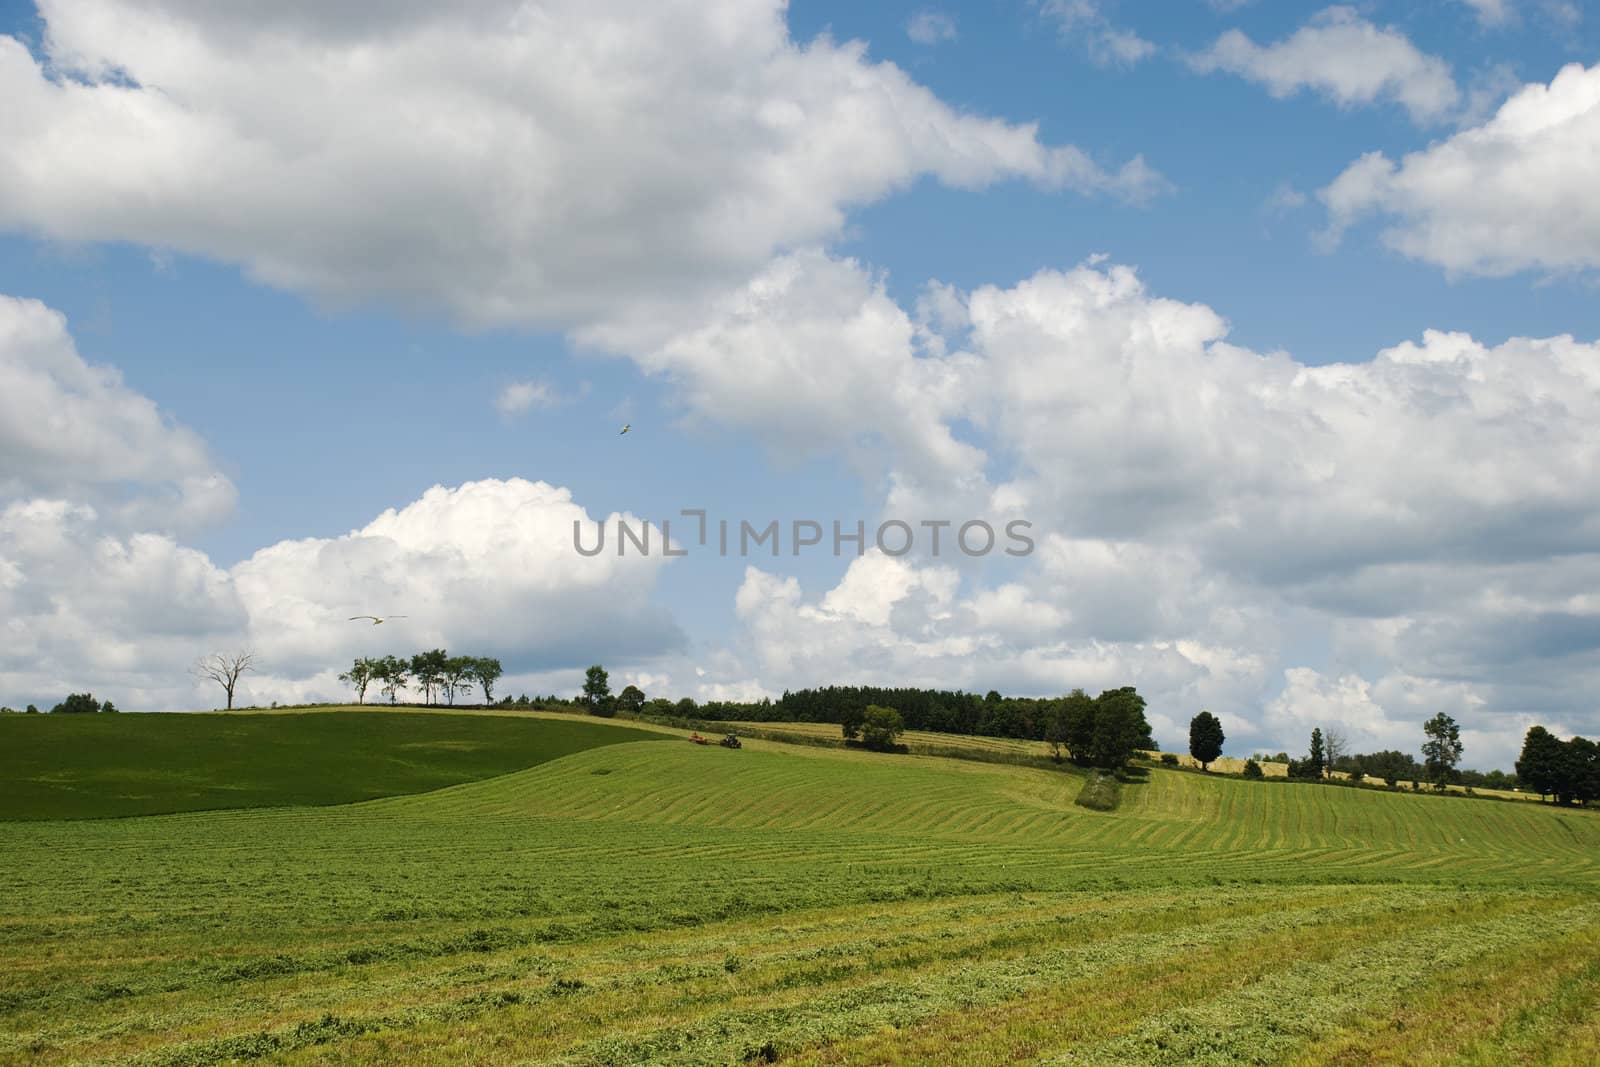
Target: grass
{"type": "Point", "coordinates": [645, 903]}
{"type": "Point", "coordinates": [93, 766]}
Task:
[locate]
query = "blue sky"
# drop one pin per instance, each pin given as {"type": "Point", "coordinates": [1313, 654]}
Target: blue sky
{"type": "Point", "coordinates": [337, 335]}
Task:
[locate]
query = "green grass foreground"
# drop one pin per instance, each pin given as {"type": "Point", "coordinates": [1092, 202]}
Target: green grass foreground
{"type": "Point", "coordinates": [95, 766]}
{"type": "Point", "coordinates": [648, 903]}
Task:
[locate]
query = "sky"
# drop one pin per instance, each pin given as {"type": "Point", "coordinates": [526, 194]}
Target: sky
{"type": "Point", "coordinates": [1275, 325]}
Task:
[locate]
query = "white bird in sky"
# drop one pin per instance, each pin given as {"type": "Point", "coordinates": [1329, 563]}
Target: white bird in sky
{"type": "Point", "coordinates": [376, 621]}
{"type": "Point", "coordinates": [625, 428]}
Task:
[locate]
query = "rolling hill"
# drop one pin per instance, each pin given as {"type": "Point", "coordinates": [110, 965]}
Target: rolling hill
{"type": "Point", "coordinates": [650, 903]}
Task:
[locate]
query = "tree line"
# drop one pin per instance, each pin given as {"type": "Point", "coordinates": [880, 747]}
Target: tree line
{"type": "Point", "coordinates": [75, 704]}
{"type": "Point", "coordinates": [433, 674]}
{"type": "Point", "coordinates": [1568, 771]}
{"type": "Point", "coordinates": [931, 710]}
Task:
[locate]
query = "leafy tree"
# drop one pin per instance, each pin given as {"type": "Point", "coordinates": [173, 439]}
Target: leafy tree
{"type": "Point", "coordinates": [1583, 769]}
{"type": "Point", "coordinates": [457, 674]}
{"type": "Point", "coordinates": [1120, 728]}
{"type": "Point", "coordinates": [1390, 765]}
{"type": "Point", "coordinates": [1442, 751]}
{"type": "Point", "coordinates": [850, 720]}
{"type": "Point", "coordinates": [359, 676]}
{"type": "Point", "coordinates": [225, 670]}
{"type": "Point", "coordinates": [31, 710]}
{"type": "Point", "coordinates": [686, 707]}
{"type": "Point", "coordinates": [428, 672]}
{"type": "Point", "coordinates": [1169, 759]}
{"type": "Point", "coordinates": [631, 699]}
{"type": "Point", "coordinates": [880, 727]}
{"type": "Point", "coordinates": [597, 691]}
{"type": "Point", "coordinates": [1317, 758]}
{"type": "Point", "coordinates": [1077, 723]}
{"type": "Point", "coordinates": [1205, 738]}
{"type": "Point", "coordinates": [394, 675]}
{"type": "Point", "coordinates": [1252, 769]}
{"type": "Point", "coordinates": [77, 704]}
{"type": "Point", "coordinates": [486, 671]}
{"type": "Point", "coordinates": [108, 708]}
{"type": "Point", "coordinates": [1542, 763]}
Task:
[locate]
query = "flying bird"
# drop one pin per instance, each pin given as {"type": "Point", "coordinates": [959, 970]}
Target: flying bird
{"type": "Point", "coordinates": [375, 620]}
{"type": "Point", "coordinates": [626, 427]}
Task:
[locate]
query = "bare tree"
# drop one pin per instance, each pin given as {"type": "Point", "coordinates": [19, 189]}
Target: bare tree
{"type": "Point", "coordinates": [1337, 746]}
{"type": "Point", "coordinates": [225, 670]}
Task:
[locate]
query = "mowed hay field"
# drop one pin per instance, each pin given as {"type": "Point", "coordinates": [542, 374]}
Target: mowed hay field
{"type": "Point", "coordinates": [660, 902]}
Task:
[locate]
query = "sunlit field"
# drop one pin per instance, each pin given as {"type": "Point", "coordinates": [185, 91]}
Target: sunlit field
{"type": "Point", "coordinates": [653, 901]}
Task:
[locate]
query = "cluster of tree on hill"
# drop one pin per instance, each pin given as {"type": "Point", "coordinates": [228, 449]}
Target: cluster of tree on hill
{"type": "Point", "coordinates": [1568, 770]}
{"type": "Point", "coordinates": [434, 674]}
{"type": "Point", "coordinates": [933, 710]}
{"type": "Point", "coordinates": [75, 704]}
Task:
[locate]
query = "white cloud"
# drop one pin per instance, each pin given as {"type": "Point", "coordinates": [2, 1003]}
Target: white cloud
{"type": "Point", "coordinates": [518, 398]}
{"type": "Point", "coordinates": [1343, 57]}
{"type": "Point", "coordinates": [1515, 193]}
{"type": "Point", "coordinates": [489, 565]}
{"type": "Point", "coordinates": [1085, 22]}
{"type": "Point", "coordinates": [1202, 511]}
{"type": "Point", "coordinates": [72, 429]}
{"type": "Point", "coordinates": [518, 165]}
{"type": "Point", "coordinates": [931, 27]}
{"type": "Point", "coordinates": [1492, 12]}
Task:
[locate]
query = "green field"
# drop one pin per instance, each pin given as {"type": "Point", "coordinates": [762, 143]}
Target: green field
{"type": "Point", "coordinates": [645, 902]}
{"type": "Point", "coordinates": [92, 766]}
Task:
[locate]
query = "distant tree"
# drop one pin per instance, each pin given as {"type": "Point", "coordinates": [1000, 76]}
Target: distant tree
{"type": "Point", "coordinates": [359, 676]}
{"type": "Point", "coordinates": [1169, 759]}
{"type": "Point", "coordinates": [393, 674]}
{"type": "Point", "coordinates": [631, 699]}
{"type": "Point", "coordinates": [108, 708]}
{"type": "Point", "coordinates": [1442, 751]}
{"type": "Point", "coordinates": [1077, 724]}
{"type": "Point", "coordinates": [31, 710]}
{"type": "Point", "coordinates": [428, 672]}
{"type": "Point", "coordinates": [486, 671]}
{"type": "Point", "coordinates": [1542, 764]}
{"type": "Point", "coordinates": [880, 727]}
{"type": "Point", "coordinates": [597, 691]}
{"type": "Point", "coordinates": [686, 707]}
{"type": "Point", "coordinates": [77, 704]}
{"type": "Point", "coordinates": [1581, 764]}
{"type": "Point", "coordinates": [1120, 728]}
{"type": "Point", "coordinates": [1317, 758]}
{"type": "Point", "coordinates": [456, 677]}
{"type": "Point", "coordinates": [225, 670]}
{"type": "Point", "coordinates": [1252, 769]}
{"type": "Point", "coordinates": [1390, 765]}
{"type": "Point", "coordinates": [1335, 749]}
{"type": "Point", "coordinates": [850, 720]}
{"type": "Point", "coordinates": [1205, 738]}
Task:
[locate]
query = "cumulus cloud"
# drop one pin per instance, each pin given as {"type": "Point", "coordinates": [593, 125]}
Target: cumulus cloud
{"type": "Point", "coordinates": [489, 565]}
{"type": "Point", "coordinates": [931, 27]}
{"type": "Point", "coordinates": [518, 164]}
{"type": "Point", "coordinates": [1085, 22]}
{"type": "Point", "coordinates": [96, 593]}
{"type": "Point", "coordinates": [1512, 194]}
{"type": "Point", "coordinates": [1343, 57]}
{"type": "Point", "coordinates": [74, 430]}
{"type": "Point", "coordinates": [518, 398]}
{"type": "Point", "coordinates": [1202, 510]}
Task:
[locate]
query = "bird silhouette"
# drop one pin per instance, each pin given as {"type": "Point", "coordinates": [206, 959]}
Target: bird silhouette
{"type": "Point", "coordinates": [376, 621]}
{"type": "Point", "coordinates": [625, 429]}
